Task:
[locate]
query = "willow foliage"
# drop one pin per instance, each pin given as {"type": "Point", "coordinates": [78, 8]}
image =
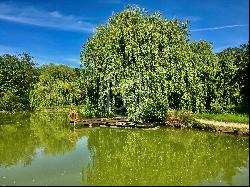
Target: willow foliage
{"type": "Point", "coordinates": [149, 62]}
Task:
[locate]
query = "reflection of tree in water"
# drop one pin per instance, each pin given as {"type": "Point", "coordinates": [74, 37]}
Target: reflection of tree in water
{"type": "Point", "coordinates": [17, 140]}
{"type": "Point", "coordinates": [165, 157]}
{"type": "Point", "coordinates": [14, 119]}
{"type": "Point", "coordinates": [51, 130]}
{"type": "Point", "coordinates": [21, 134]}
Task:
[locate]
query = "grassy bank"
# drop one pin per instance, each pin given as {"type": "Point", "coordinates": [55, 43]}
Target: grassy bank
{"type": "Point", "coordinates": [226, 123]}
{"type": "Point", "coordinates": [184, 115]}
{"type": "Point", "coordinates": [226, 117]}
{"type": "Point", "coordinates": [242, 129]}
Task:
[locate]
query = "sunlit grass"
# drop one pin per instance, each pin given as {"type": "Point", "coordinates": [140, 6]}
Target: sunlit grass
{"type": "Point", "coordinates": [226, 117]}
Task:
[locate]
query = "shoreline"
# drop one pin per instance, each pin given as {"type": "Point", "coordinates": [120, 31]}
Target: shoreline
{"type": "Point", "coordinates": [220, 126]}
{"type": "Point", "coordinates": [198, 123]}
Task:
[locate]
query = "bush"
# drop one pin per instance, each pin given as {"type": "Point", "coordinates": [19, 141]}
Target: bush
{"type": "Point", "coordinates": [57, 87]}
{"type": "Point", "coordinates": [152, 111]}
{"type": "Point", "coordinates": [10, 102]}
{"type": "Point", "coordinates": [180, 118]}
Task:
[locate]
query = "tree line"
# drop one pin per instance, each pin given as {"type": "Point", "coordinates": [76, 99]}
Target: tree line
{"type": "Point", "coordinates": [139, 60]}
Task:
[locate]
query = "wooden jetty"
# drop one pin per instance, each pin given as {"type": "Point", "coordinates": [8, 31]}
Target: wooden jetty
{"type": "Point", "coordinates": [115, 122]}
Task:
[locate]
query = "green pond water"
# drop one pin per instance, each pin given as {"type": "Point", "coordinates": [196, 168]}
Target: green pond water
{"type": "Point", "coordinates": [41, 149]}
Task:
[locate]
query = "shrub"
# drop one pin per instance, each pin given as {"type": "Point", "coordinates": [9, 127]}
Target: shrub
{"type": "Point", "coordinates": [57, 87]}
{"type": "Point", "coordinates": [152, 111]}
{"type": "Point", "coordinates": [180, 118]}
{"type": "Point", "coordinates": [10, 102]}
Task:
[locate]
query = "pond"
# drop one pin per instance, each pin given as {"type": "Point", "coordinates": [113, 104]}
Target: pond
{"type": "Point", "coordinates": [41, 149]}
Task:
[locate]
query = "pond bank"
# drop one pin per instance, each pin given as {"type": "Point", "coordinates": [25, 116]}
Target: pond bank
{"type": "Point", "coordinates": [226, 127]}
{"type": "Point", "coordinates": [203, 124]}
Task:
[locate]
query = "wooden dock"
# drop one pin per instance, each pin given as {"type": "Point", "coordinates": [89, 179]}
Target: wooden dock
{"type": "Point", "coordinates": [116, 122]}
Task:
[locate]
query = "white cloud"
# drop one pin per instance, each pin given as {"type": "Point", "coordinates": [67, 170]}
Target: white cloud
{"type": "Point", "coordinates": [10, 50]}
{"type": "Point", "coordinates": [217, 28]}
{"type": "Point", "coordinates": [42, 60]}
{"type": "Point", "coordinates": [183, 18]}
{"type": "Point", "coordinates": [73, 60]}
{"type": "Point", "coordinates": [54, 19]}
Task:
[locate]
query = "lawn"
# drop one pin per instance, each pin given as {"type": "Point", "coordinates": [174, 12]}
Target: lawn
{"type": "Point", "coordinates": [226, 117]}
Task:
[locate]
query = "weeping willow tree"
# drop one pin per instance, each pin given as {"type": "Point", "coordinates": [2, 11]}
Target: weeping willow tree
{"type": "Point", "coordinates": [147, 63]}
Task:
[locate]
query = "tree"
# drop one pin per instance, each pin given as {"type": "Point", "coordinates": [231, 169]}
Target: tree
{"type": "Point", "coordinates": [242, 76]}
{"type": "Point", "coordinates": [149, 62]}
{"type": "Point", "coordinates": [232, 86]}
{"type": "Point", "coordinates": [206, 70]}
{"type": "Point", "coordinates": [57, 86]}
{"type": "Point", "coordinates": [17, 76]}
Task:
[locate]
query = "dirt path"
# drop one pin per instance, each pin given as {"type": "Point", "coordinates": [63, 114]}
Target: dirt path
{"type": "Point", "coordinates": [223, 124]}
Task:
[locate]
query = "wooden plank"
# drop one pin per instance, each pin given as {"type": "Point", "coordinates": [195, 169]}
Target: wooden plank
{"type": "Point", "coordinates": [113, 122]}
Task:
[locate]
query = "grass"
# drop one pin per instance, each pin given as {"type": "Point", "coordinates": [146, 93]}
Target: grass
{"type": "Point", "coordinates": [198, 125]}
{"type": "Point", "coordinates": [226, 117]}
{"type": "Point", "coordinates": [209, 127]}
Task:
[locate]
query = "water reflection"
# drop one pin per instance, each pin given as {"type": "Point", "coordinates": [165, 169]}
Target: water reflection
{"type": "Point", "coordinates": [17, 141]}
{"type": "Point", "coordinates": [40, 149]}
{"type": "Point", "coordinates": [21, 135]}
{"type": "Point", "coordinates": [52, 133]}
{"type": "Point", "coordinates": [164, 157]}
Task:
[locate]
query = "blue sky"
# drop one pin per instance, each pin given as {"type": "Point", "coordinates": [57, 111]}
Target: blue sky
{"type": "Point", "coordinates": [53, 31]}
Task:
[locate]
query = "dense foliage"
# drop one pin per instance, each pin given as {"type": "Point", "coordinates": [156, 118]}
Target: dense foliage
{"type": "Point", "coordinates": [149, 62]}
{"type": "Point", "coordinates": [57, 86]}
{"type": "Point", "coordinates": [17, 75]}
{"type": "Point", "coordinates": [232, 90]}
